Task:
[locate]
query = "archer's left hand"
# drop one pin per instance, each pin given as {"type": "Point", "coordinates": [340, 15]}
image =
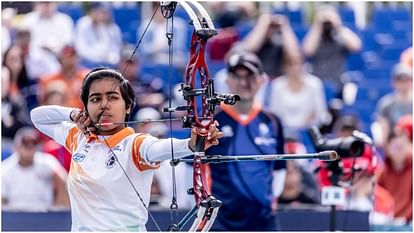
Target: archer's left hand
{"type": "Point", "coordinates": [212, 135]}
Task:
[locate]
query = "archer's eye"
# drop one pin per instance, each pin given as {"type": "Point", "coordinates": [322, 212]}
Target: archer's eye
{"type": "Point", "coordinates": [113, 98]}
{"type": "Point", "coordinates": [94, 100]}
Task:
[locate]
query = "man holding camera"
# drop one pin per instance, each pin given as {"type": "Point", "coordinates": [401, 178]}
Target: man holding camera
{"type": "Point", "coordinates": [328, 44]}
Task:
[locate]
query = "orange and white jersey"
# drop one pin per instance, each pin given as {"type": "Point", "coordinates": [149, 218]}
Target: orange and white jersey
{"type": "Point", "coordinates": [101, 197]}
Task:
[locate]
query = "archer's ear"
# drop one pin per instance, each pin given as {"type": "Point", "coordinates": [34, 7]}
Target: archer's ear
{"type": "Point", "coordinates": [128, 109]}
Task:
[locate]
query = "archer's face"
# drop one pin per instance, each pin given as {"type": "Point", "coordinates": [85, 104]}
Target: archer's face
{"type": "Point", "coordinates": [104, 96]}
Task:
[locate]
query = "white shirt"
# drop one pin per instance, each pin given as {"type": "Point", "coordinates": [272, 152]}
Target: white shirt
{"type": "Point", "coordinates": [98, 43]}
{"type": "Point", "coordinates": [155, 44]}
{"type": "Point", "coordinates": [55, 32]}
{"type": "Point", "coordinates": [5, 39]}
{"type": "Point", "coordinates": [29, 188]}
{"type": "Point", "coordinates": [101, 197]}
{"type": "Point", "coordinates": [41, 62]}
{"type": "Point", "coordinates": [295, 107]}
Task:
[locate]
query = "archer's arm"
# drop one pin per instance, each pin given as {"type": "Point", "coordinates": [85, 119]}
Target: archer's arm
{"type": "Point", "coordinates": [160, 149]}
{"type": "Point", "coordinates": [52, 120]}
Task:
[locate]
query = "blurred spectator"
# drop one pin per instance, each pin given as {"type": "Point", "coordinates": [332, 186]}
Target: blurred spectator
{"type": "Point", "coordinates": [72, 75]}
{"type": "Point", "coordinates": [20, 83]}
{"type": "Point", "coordinates": [49, 28]}
{"type": "Point", "coordinates": [247, 130]}
{"type": "Point", "coordinates": [32, 180]}
{"type": "Point", "coordinates": [14, 114]}
{"type": "Point", "coordinates": [397, 175]}
{"type": "Point", "coordinates": [7, 15]}
{"type": "Point", "coordinates": [273, 40]}
{"type": "Point", "coordinates": [290, 95]}
{"type": "Point", "coordinates": [38, 61]}
{"type": "Point", "coordinates": [365, 195]}
{"type": "Point", "coordinates": [228, 18]}
{"type": "Point", "coordinates": [228, 14]}
{"type": "Point", "coordinates": [156, 129]}
{"type": "Point", "coordinates": [328, 44]}
{"type": "Point", "coordinates": [220, 79]}
{"type": "Point", "coordinates": [98, 37]}
{"type": "Point", "coordinates": [405, 126]}
{"type": "Point", "coordinates": [20, 7]}
{"type": "Point", "coordinates": [147, 94]}
{"type": "Point", "coordinates": [296, 191]}
{"type": "Point", "coordinates": [407, 57]}
{"type": "Point", "coordinates": [396, 104]}
{"type": "Point", "coordinates": [56, 93]}
{"type": "Point", "coordinates": [154, 47]}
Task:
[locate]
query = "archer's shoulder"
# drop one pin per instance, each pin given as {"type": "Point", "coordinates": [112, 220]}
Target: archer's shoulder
{"type": "Point", "coordinates": [139, 138]}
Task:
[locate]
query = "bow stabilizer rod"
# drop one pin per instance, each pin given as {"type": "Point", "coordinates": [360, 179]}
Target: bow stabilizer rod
{"type": "Point", "coordinates": [324, 156]}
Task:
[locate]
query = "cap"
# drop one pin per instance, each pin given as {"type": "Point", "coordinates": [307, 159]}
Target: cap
{"type": "Point", "coordinates": [402, 71]}
{"type": "Point", "coordinates": [247, 60]}
{"type": "Point", "coordinates": [405, 124]}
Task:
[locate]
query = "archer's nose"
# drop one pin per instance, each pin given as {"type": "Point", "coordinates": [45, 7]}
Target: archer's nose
{"type": "Point", "coordinates": [105, 105]}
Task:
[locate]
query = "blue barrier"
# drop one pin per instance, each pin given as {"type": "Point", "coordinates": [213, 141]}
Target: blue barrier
{"type": "Point", "coordinates": [289, 220]}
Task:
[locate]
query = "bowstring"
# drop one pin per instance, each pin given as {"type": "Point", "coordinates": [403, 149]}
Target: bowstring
{"type": "Point", "coordinates": [170, 36]}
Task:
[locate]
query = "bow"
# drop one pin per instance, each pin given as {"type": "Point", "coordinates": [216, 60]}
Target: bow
{"type": "Point", "coordinates": [199, 87]}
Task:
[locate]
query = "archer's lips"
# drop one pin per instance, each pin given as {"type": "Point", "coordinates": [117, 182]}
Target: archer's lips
{"type": "Point", "coordinates": [105, 119]}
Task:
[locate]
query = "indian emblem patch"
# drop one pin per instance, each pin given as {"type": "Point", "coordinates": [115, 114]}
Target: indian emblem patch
{"type": "Point", "coordinates": [78, 157]}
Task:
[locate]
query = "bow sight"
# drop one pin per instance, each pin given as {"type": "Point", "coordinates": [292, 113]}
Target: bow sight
{"type": "Point", "coordinates": [212, 100]}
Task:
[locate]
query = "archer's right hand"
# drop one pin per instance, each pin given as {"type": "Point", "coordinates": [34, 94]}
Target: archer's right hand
{"type": "Point", "coordinates": [82, 121]}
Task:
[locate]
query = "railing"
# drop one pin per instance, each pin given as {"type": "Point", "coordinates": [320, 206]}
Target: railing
{"type": "Point", "coordinates": [288, 220]}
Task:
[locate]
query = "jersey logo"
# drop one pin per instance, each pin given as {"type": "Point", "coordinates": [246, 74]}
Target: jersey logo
{"type": "Point", "coordinates": [227, 131]}
{"type": "Point", "coordinates": [265, 138]}
{"type": "Point", "coordinates": [265, 141]}
{"type": "Point", "coordinates": [78, 157]}
{"type": "Point", "coordinates": [264, 129]}
{"type": "Point", "coordinates": [86, 148]}
{"type": "Point", "coordinates": [111, 161]}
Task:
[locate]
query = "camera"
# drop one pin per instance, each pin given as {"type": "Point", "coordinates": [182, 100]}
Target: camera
{"type": "Point", "coordinates": [327, 29]}
{"type": "Point", "coordinates": [346, 147]}
{"type": "Point", "coordinates": [327, 25]}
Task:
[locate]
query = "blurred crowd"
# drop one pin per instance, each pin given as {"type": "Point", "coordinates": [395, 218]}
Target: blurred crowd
{"type": "Point", "coordinates": [46, 54]}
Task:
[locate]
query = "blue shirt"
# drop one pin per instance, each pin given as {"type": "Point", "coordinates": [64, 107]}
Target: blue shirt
{"type": "Point", "coordinates": [245, 188]}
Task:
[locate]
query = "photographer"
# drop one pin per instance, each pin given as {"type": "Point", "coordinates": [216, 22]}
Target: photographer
{"type": "Point", "coordinates": [327, 44]}
{"type": "Point", "coordinates": [273, 40]}
{"type": "Point", "coordinates": [356, 173]}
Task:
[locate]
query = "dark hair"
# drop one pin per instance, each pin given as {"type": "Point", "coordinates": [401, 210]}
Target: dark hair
{"type": "Point", "coordinates": [100, 73]}
{"type": "Point", "coordinates": [22, 77]}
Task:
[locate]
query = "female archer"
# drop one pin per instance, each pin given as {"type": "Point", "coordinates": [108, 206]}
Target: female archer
{"type": "Point", "coordinates": [111, 164]}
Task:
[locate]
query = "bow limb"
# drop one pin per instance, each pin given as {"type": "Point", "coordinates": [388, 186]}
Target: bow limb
{"type": "Point", "coordinates": [196, 87]}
